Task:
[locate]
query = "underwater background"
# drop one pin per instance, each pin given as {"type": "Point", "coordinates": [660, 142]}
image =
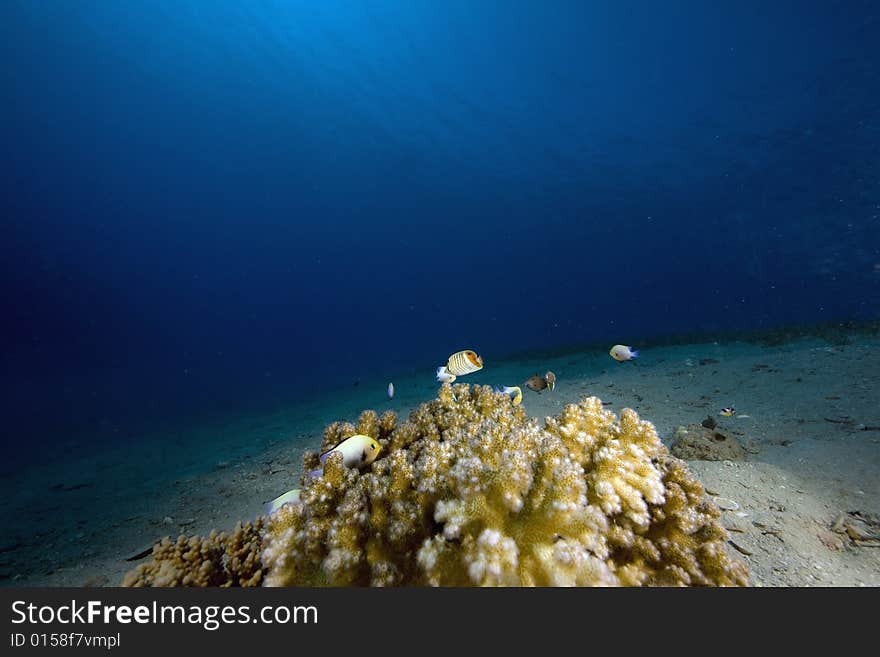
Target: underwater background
{"type": "Point", "coordinates": [211, 207]}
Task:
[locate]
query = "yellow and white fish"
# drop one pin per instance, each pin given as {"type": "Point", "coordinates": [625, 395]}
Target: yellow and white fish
{"type": "Point", "coordinates": [622, 353]}
{"type": "Point", "coordinates": [357, 451]}
{"type": "Point", "coordinates": [730, 411]}
{"type": "Point", "coordinates": [459, 364]}
{"type": "Point", "coordinates": [514, 392]}
{"type": "Point", "coordinates": [290, 497]}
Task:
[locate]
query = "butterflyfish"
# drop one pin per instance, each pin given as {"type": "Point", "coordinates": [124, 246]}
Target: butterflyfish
{"type": "Point", "coordinates": [459, 364]}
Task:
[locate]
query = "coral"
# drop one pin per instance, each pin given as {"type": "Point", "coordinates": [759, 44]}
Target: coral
{"type": "Point", "coordinates": [214, 560]}
{"type": "Point", "coordinates": [470, 491]}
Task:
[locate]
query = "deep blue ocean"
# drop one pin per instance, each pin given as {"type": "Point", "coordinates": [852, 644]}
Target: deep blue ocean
{"type": "Point", "coordinates": [209, 207]}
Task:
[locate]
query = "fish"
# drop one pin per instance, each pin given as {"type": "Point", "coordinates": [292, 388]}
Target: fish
{"type": "Point", "coordinates": [443, 376]}
{"type": "Point", "coordinates": [290, 497]}
{"type": "Point", "coordinates": [514, 391]}
{"type": "Point", "coordinates": [357, 451]}
{"type": "Point", "coordinates": [730, 411]}
{"type": "Point", "coordinates": [390, 391]}
{"type": "Point", "coordinates": [459, 364]}
{"type": "Point", "coordinates": [621, 353]}
{"type": "Point", "coordinates": [536, 383]}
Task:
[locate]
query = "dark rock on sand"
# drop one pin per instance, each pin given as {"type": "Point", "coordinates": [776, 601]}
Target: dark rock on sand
{"type": "Point", "coordinates": [698, 443]}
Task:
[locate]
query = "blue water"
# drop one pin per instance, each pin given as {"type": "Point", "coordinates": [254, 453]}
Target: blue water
{"type": "Point", "coordinates": [212, 206]}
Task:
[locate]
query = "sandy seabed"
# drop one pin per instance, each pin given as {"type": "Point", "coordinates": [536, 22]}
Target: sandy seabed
{"type": "Point", "coordinates": [808, 413]}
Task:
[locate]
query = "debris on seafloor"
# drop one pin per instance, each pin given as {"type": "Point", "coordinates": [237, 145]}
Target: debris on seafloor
{"type": "Point", "coordinates": [96, 581]}
{"type": "Point", "coordinates": [143, 554]}
{"type": "Point", "coordinates": [739, 548]}
{"type": "Point", "coordinates": [726, 504]}
{"type": "Point", "coordinates": [695, 442]}
{"type": "Point", "coordinates": [863, 529]}
{"type": "Point", "coordinates": [830, 540]}
{"type": "Point", "coordinates": [849, 424]}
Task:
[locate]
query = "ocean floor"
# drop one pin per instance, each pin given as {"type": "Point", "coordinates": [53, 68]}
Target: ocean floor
{"type": "Point", "coordinates": [808, 413]}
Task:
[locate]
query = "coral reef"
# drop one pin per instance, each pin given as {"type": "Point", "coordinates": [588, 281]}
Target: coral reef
{"type": "Point", "coordinates": [470, 491]}
{"type": "Point", "coordinates": [697, 442]}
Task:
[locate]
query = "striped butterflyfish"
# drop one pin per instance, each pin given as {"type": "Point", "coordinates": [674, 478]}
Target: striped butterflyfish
{"type": "Point", "coordinates": [459, 364]}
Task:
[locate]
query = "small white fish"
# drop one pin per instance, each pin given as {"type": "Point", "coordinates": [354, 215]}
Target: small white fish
{"type": "Point", "coordinates": [622, 353]}
{"type": "Point", "coordinates": [290, 497]}
{"type": "Point", "coordinates": [390, 391]}
{"type": "Point", "coordinates": [443, 376]}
